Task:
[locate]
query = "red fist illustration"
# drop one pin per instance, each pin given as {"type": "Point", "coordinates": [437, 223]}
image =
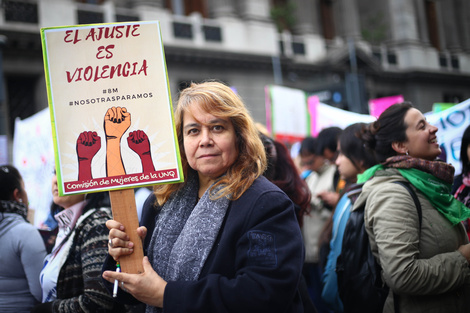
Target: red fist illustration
{"type": "Point", "coordinates": [88, 144]}
{"type": "Point", "coordinates": [139, 143]}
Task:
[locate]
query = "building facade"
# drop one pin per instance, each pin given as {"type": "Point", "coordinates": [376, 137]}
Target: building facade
{"type": "Point", "coordinates": [345, 51]}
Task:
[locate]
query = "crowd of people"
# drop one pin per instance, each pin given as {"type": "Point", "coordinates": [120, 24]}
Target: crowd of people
{"type": "Point", "coordinates": [252, 229]}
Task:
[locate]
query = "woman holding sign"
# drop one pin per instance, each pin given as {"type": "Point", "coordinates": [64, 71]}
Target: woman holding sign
{"type": "Point", "coordinates": [224, 240]}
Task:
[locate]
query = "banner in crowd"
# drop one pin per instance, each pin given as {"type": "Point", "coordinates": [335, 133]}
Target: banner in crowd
{"type": "Point", "coordinates": [33, 156]}
{"type": "Point", "coordinates": [323, 115]}
{"type": "Point", "coordinates": [378, 105]}
{"type": "Point", "coordinates": [111, 113]}
{"type": "Point", "coordinates": [287, 111]}
{"type": "Point", "coordinates": [451, 122]}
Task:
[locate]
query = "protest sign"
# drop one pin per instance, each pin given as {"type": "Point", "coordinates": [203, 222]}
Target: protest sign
{"type": "Point", "coordinates": [33, 156]}
{"type": "Point", "coordinates": [111, 114]}
{"type": "Point", "coordinates": [378, 105]}
{"type": "Point", "coordinates": [324, 115]}
{"type": "Point", "coordinates": [291, 115]}
{"type": "Point", "coordinates": [451, 123]}
{"type": "Point", "coordinates": [287, 116]}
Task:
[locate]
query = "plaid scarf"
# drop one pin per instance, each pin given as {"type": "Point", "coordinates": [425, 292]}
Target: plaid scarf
{"type": "Point", "coordinates": [439, 169]}
{"type": "Point", "coordinates": [14, 207]}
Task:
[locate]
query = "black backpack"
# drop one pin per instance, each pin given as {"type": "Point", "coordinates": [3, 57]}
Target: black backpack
{"type": "Point", "coordinates": [360, 284]}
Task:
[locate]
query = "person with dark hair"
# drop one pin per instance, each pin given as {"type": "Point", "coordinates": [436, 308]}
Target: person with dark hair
{"type": "Point", "coordinates": [327, 142]}
{"type": "Point", "coordinates": [352, 160]}
{"type": "Point", "coordinates": [461, 187]}
{"type": "Point", "coordinates": [319, 180]}
{"type": "Point", "coordinates": [71, 277]}
{"type": "Point", "coordinates": [22, 246]}
{"type": "Point", "coordinates": [225, 239]}
{"type": "Point", "coordinates": [327, 146]}
{"type": "Point", "coordinates": [283, 173]}
{"type": "Point", "coordinates": [424, 260]}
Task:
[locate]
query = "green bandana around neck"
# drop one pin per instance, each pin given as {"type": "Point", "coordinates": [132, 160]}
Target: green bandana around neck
{"type": "Point", "coordinates": [438, 193]}
{"type": "Point", "coordinates": [367, 174]}
{"type": "Point", "coordinates": [434, 189]}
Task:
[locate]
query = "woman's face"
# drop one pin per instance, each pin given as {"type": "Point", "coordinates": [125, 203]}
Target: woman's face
{"type": "Point", "coordinates": [64, 201]}
{"type": "Point", "coordinates": [346, 168]}
{"type": "Point", "coordinates": [422, 140]}
{"type": "Point", "coordinates": [210, 143]}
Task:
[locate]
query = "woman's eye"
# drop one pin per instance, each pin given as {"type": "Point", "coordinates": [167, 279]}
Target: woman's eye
{"type": "Point", "coordinates": [218, 128]}
{"type": "Point", "coordinates": [192, 131]}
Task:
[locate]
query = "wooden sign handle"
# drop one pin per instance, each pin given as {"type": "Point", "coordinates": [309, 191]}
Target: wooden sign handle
{"type": "Point", "coordinates": [125, 212]}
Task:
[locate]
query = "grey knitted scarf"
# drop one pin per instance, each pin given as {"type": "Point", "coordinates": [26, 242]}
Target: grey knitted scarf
{"type": "Point", "coordinates": [184, 234]}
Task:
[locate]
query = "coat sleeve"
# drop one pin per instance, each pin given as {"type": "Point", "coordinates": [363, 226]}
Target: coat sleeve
{"type": "Point", "coordinates": [31, 250]}
{"type": "Point", "coordinates": [268, 262]}
{"type": "Point", "coordinates": [392, 223]}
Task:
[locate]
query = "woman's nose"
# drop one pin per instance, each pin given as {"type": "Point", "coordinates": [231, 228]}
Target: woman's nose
{"type": "Point", "coordinates": [206, 137]}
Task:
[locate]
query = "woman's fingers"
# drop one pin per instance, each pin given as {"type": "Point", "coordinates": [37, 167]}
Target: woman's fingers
{"type": "Point", "coordinates": [118, 240]}
{"type": "Point", "coordinates": [142, 232]}
{"type": "Point", "coordinates": [112, 224]}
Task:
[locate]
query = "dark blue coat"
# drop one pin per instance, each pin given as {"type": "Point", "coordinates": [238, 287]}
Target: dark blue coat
{"type": "Point", "coordinates": [256, 262]}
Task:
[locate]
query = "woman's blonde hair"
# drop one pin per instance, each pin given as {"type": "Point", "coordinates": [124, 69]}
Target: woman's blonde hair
{"type": "Point", "coordinates": [220, 101]}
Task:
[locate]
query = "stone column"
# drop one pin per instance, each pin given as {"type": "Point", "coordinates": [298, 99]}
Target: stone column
{"type": "Point", "coordinates": [349, 16]}
{"type": "Point", "coordinates": [153, 3]}
{"type": "Point", "coordinates": [451, 30]}
{"type": "Point", "coordinates": [463, 12]}
{"type": "Point", "coordinates": [403, 24]}
{"type": "Point", "coordinates": [307, 17]}
{"type": "Point", "coordinates": [422, 24]}
{"type": "Point", "coordinates": [254, 10]}
{"type": "Point", "coordinates": [221, 8]}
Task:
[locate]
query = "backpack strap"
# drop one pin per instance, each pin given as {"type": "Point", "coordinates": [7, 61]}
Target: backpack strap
{"type": "Point", "coordinates": [408, 187]}
{"type": "Point", "coordinates": [415, 199]}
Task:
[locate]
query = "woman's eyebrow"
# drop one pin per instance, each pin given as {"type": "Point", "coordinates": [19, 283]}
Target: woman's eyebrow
{"type": "Point", "coordinates": [191, 125]}
{"type": "Point", "coordinates": [218, 121]}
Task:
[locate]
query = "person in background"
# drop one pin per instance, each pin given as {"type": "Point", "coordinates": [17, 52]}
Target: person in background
{"type": "Point", "coordinates": [461, 187]}
{"type": "Point", "coordinates": [283, 173]}
{"type": "Point", "coordinates": [226, 239]}
{"type": "Point", "coordinates": [327, 146]}
{"type": "Point", "coordinates": [426, 265]}
{"type": "Point", "coordinates": [70, 278]}
{"type": "Point", "coordinates": [320, 179]}
{"type": "Point", "coordinates": [49, 227]}
{"type": "Point", "coordinates": [22, 246]}
{"type": "Point", "coordinates": [352, 160]}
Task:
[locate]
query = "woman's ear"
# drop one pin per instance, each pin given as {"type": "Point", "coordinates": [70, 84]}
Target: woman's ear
{"type": "Point", "coordinates": [399, 147]}
{"type": "Point", "coordinates": [17, 195]}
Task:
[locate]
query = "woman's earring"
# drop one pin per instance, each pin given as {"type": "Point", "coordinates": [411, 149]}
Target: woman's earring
{"type": "Point", "coordinates": [20, 201]}
{"type": "Point", "coordinates": [406, 152]}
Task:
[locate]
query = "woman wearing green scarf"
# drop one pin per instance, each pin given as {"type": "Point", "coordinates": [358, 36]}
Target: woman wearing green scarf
{"type": "Point", "coordinates": [427, 266]}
